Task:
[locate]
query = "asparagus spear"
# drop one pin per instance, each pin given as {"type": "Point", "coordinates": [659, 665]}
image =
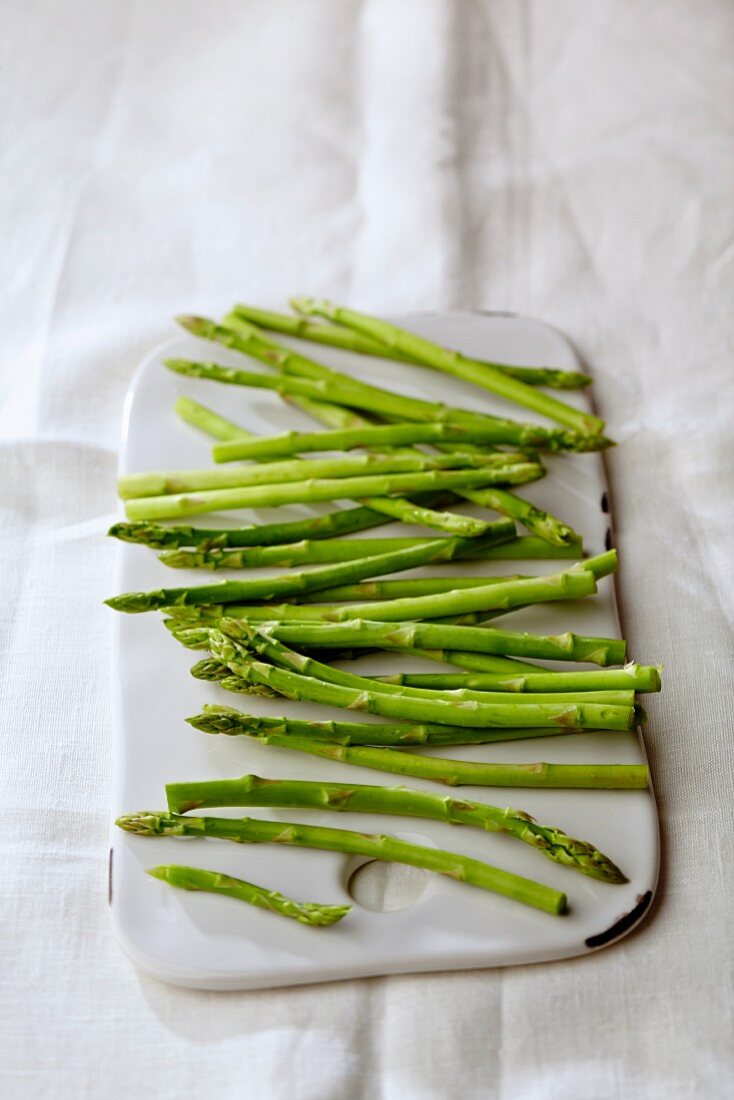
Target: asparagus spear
{"type": "Point", "coordinates": [358, 633]}
{"type": "Point", "coordinates": [551, 530]}
{"type": "Point", "coordinates": [309, 666]}
{"type": "Point", "coordinates": [497, 594]}
{"type": "Point", "coordinates": [451, 362]}
{"type": "Point", "coordinates": [250, 831]}
{"type": "Point", "coordinates": [304, 665]}
{"type": "Point", "coordinates": [351, 393]}
{"type": "Point", "coordinates": [458, 773]}
{"type": "Point", "coordinates": [225, 720]}
{"type": "Point", "coordinates": [151, 484]}
{"type": "Point", "coordinates": [251, 790]}
{"type": "Point", "coordinates": [442, 710]}
{"type": "Point", "coordinates": [382, 436]}
{"type": "Point", "coordinates": [266, 588]}
{"type": "Point", "coordinates": [366, 590]}
{"type": "Point", "coordinates": [214, 882]}
{"type": "Point", "coordinates": [177, 505]}
{"type": "Point", "coordinates": [340, 337]}
{"type": "Point", "coordinates": [573, 584]}
{"type": "Point", "coordinates": [250, 340]}
{"type": "Point", "coordinates": [306, 552]}
{"type": "Point", "coordinates": [640, 678]}
{"type": "Point", "coordinates": [410, 512]}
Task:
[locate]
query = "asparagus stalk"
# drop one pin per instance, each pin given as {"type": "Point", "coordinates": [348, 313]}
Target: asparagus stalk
{"type": "Point", "coordinates": [573, 584]}
{"type": "Point", "coordinates": [314, 490]}
{"type": "Point", "coordinates": [254, 536]}
{"type": "Point", "coordinates": [442, 710]}
{"type": "Point", "coordinates": [250, 340]}
{"type": "Point", "coordinates": [214, 882]}
{"type": "Point", "coordinates": [408, 511]}
{"type": "Point", "coordinates": [377, 590]}
{"type": "Point", "coordinates": [250, 831]}
{"type": "Point", "coordinates": [306, 552]}
{"type": "Point", "coordinates": [601, 565]}
{"type": "Point", "coordinates": [431, 636]}
{"type": "Point", "coordinates": [304, 665]}
{"type": "Point", "coordinates": [382, 436]}
{"type": "Point", "coordinates": [267, 588]}
{"type": "Point", "coordinates": [544, 525]}
{"type": "Point", "coordinates": [150, 484]}
{"type": "Point", "coordinates": [451, 362]}
{"type": "Point", "coordinates": [350, 340]}
{"type": "Point", "coordinates": [331, 389]}
{"type": "Point", "coordinates": [458, 773]}
{"type": "Point", "coordinates": [308, 666]}
{"type": "Point", "coordinates": [251, 790]}
{"type": "Point", "coordinates": [631, 678]}
{"type": "Point", "coordinates": [225, 720]}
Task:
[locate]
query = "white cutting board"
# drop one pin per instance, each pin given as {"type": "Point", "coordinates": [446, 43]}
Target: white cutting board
{"type": "Point", "coordinates": [211, 942]}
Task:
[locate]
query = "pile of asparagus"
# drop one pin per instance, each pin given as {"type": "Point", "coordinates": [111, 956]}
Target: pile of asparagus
{"type": "Point", "coordinates": [341, 607]}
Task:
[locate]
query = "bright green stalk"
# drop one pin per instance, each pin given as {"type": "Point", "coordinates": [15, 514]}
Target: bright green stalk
{"type": "Point", "coordinates": [306, 552]}
{"type": "Point", "coordinates": [367, 590]}
{"type": "Point", "coordinates": [336, 392]}
{"type": "Point", "coordinates": [460, 773]}
{"type": "Point", "coordinates": [451, 362]}
{"type": "Point", "coordinates": [407, 511]}
{"type": "Point", "coordinates": [350, 340]}
{"type": "Point", "coordinates": [250, 831]}
{"type": "Point", "coordinates": [308, 666]}
{"type": "Point", "coordinates": [214, 882]}
{"type": "Point", "coordinates": [379, 437]}
{"type": "Point", "coordinates": [280, 655]}
{"type": "Point", "coordinates": [233, 723]}
{"type": "Point", "coordinates": [547, 527]}
{"type": "Point", "coordinates": [359, 633]}
{"type": "Point", "coordinates": [199, 416]}
{"type": "Point", "coordinates": [316, 490]}
{"type": "Point", "coordinates": [268, 588]}
{"type": "Point", "coordinates": [218, 549]}
{"type": "Point", "coordinates": [447, 711]}
{"type": "Point", "coordinates": [251, 790]}
{"type": "Point", "coordinates": [159, 483]}
{"type": "Point", "coordinates": [573, 584]}
{"type": "Point", "coordinates": [631, 678]}
{"type": "Point", "coordinates": [255, 536]}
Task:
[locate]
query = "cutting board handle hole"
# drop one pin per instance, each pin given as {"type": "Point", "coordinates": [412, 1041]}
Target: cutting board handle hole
{"type": "Point", "coordinates": [386, 887]}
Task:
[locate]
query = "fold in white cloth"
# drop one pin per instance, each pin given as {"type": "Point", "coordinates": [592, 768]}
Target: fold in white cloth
{"type": "Point", "coordinates": [570, 162]}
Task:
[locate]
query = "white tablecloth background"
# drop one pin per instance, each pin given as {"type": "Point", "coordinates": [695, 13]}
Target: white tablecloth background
{"type": "Point", "coordinates": [571, 161]}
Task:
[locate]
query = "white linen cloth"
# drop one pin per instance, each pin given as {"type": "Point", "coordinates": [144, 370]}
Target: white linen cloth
{"type": "Point", "coordinates": [570, 161]}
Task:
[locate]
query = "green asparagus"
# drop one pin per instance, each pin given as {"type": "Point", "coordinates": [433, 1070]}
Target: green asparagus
{"type": "Point", "coordinates": [267, 588]}
{"type": "Point", "coordinates": [350, 340]}
{"type": "Point", "coordinates": [225, 720]}
{"type": "Point", "coordinates": [214, 882]}
{"type": "Point", "coordinates": [314, 490]}
{"type": "Point", "coordinates": [451, 362]}
{"type": "Point", "coordinates": [250, 831]}
{"type": "Point", "coordinates": [252, 790]}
